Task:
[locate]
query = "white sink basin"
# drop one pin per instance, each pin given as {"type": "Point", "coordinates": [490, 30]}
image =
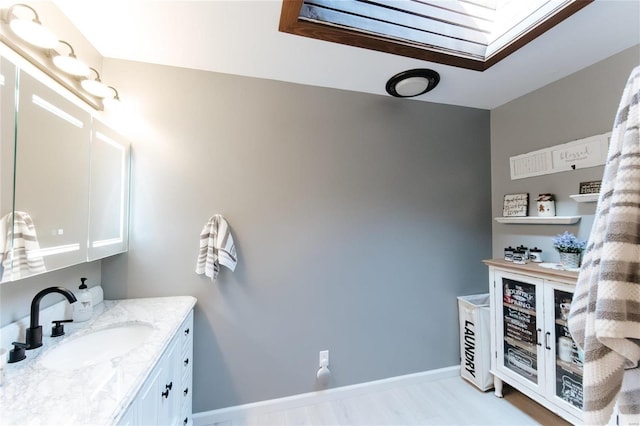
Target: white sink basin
{"type": "Point", "coordinates": [96, 347]}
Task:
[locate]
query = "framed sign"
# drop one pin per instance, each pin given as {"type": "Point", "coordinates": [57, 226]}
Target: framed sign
{"type": "Point", "coordinates": [515, 205]}
{"type": "Point", "coordinates": [591, 187]}
{"type": "Point", "coordinates": [587, 152]}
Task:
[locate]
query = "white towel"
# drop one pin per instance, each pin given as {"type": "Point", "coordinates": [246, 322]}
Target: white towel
{"type": "Point", "coordinates": [20, 248]}
{"type": "Point", "coordinates": [216, 248]}
{"type": "Point", "coordinates": [605, 313]}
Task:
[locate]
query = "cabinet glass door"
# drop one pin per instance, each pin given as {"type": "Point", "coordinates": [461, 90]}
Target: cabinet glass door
{"type": "Point", "coordinates": [519, 328]}
{"type": "Point", "coordinates": [109, 192]}
{"type": "Point", "coordinates": [51, 180]}
{"type": "Point", "coordinates": [7, 149]}
{"type": "Point", "coordinates": [567, 358]}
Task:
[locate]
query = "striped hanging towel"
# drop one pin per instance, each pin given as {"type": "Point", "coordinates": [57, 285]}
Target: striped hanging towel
{"type": "Point", "coordinates": [20, 249]}
{"type": "Point", "coordinates": [605, 313]}
{"type": "Point", "coordinates": [216, 248]}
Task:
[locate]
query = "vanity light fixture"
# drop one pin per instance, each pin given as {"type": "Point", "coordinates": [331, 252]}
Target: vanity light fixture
{"type": "Point", "coordinates": [96, 87]}
{"type": "Point", "coordinates": [70, 63]}
{"type": "Point", "coordinates": [26, 29]}
{"type": "Point", "coordinates": [31, 30]}
{"type": "Point", "coordinates": [411, 83]}
{"type": "Point", "coordinates": [112, 102]}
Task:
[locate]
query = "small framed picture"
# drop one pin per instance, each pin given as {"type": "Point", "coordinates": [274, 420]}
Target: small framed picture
{"type": "Point", "coordinates": [591, 187]}
{"type": "Point", "coordinates": [515, 205]}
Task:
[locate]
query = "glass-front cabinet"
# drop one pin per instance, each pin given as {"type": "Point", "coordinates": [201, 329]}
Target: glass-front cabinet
{"type": "Point", "coordinates": [64, 176]}
{"type": "Point", "coordinates": [51, 180]}
{"type": "Point", "coordinates": [7, 145]}
{"type": "Point", "coordinates": [566, 358]}
{"type": "Point", "coordinates": [109, 192]}
{"type": "Point", "coordinates": [532, 347]}
{"type": "Point", "coordinates": [521, 353]}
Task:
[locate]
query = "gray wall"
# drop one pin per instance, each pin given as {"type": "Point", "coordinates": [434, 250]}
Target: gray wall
{"type": "Point", "coordinates": [358, 220]}
{"type": "Point", "coordinates": [578, 106]}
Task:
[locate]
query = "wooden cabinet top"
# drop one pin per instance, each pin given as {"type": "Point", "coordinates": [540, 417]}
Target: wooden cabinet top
{"type": "Point", "coordinates": [532, 268]}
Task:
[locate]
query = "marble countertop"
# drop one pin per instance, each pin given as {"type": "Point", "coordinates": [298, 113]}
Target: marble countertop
{"type": "Point", "coordinates": [32, 394]}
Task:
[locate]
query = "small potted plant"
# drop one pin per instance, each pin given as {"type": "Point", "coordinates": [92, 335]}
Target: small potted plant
{"type": "Point", "coordinates": [570, 249]}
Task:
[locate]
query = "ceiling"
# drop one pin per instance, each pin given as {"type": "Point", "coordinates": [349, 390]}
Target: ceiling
{"type": "Point", "coordinates": [471, 34]}
{"type": "Point", "coordinates": [241, 37]}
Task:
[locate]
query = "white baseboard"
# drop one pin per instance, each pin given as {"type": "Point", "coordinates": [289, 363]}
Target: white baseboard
{"type": "Point", "coordinates": [228, 414]}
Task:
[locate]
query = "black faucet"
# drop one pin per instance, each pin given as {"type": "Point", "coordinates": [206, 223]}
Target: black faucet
{"type": "Point", "coordinates": [34, 332]}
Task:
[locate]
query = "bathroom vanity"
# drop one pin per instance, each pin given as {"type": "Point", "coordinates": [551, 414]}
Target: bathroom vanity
{"type": "Point", "coordinates": [165, 396]}
{"type": "Point", "coordinates": [130, 364]}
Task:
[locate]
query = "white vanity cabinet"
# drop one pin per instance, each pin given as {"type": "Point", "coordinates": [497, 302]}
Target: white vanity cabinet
{"type": "Point", "coordinates": [165, 397]}
{"type": "Point", "coordinates": [531, 346]}
{"type": "Point", "coordinates": [158, 401]}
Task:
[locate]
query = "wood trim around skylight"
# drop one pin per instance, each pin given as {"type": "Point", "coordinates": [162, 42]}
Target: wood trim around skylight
{"type": "Point", "coordinates": [290, 22]}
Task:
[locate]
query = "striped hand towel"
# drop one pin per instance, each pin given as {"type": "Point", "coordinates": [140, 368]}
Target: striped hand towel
{"type": "Point", "coordinates": [21, 251]}
{"type": "Point", "coordinates": [216, 248]}
{"type": "Point", "coordinates": [605, 312]}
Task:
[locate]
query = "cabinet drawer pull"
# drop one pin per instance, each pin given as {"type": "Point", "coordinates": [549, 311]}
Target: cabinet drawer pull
{"type": "Point", "coordinates": [547, 335]}
{"type": "Point", "coordinates": [186, 332]}
{"type": "Point", "coordinates": [185, 421]}
{"type": "Point", "coordinates": [186, 391]}
{"type": "Point", "coordinates": [169, 386]}
{"type": "Point", "coordinates": [538, 340]}
{"type": "Point", "coordinates": [186, 362]}
{"type": "Point", "coordinates": [165, 394]}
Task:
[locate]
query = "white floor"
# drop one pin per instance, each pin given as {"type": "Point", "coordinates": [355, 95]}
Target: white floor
{"type": "Point", "coordinates": [450, 401]}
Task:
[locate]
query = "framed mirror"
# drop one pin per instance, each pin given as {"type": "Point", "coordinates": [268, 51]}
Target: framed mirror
{"type": "Point", "coordinates": [51, 180]}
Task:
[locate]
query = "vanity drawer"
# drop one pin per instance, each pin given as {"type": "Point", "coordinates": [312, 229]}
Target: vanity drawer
{"type": "Point", "coordinates": [186, 354]}
{"type": "Point", "coordinates": [186, 372]}
{"type": "Point", "coordinates": [186, 333]}
{"type": "Point", "coordinates": [186, 396]}
{"type": "Point", "coordinates": [186, 389]}
{"type": "Point", "coordinates": [186, 419]}
{"type": "Point", "coordinates": [186, 362]}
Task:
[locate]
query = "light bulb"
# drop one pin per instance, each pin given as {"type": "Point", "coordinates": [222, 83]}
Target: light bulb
{"type": "Point", "coordinates": [31, 30]}
{"type": "Point", "coordinates": [412, 86]}
{"type": "Point", "coordinates": [96, 88]}
{"type": "Point", "coordinates": [33, 33]}
{"type": "Point", "coordinates": [112, 102]}
{"type": "Point", "coordinates": [71, 64]}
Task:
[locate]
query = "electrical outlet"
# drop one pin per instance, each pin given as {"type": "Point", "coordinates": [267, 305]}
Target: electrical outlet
{"type": "Point", "coordinates": [324, 358]}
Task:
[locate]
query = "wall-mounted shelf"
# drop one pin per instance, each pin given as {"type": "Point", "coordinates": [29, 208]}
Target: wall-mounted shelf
{"type": "Point", "coordinates": [536, 220]}
{"type": "Point", "coordinates": [585, 198]}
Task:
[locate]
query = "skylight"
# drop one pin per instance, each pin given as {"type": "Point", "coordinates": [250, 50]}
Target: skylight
{"type": "Point", "coordinates": [472, 34]}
